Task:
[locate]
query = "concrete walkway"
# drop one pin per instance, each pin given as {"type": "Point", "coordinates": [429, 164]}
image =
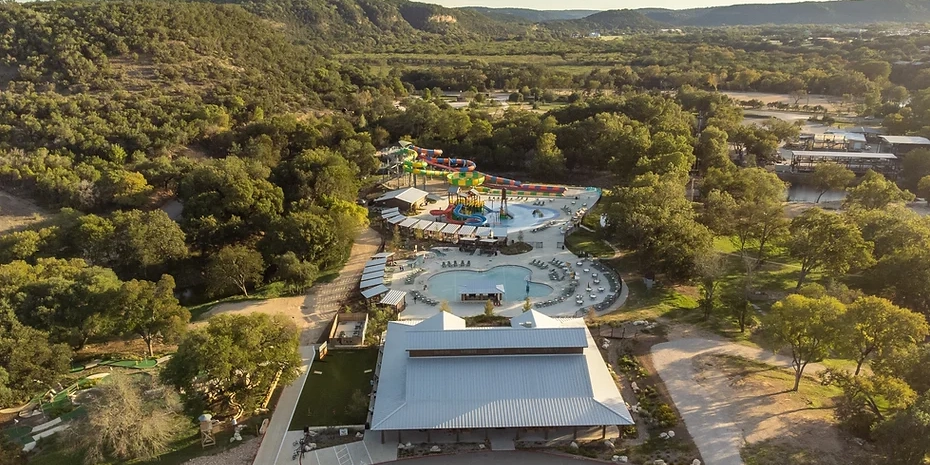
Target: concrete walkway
{"type": "Point", "coordinates": [709, 417]}
{"type": "Point", "coordinates": [325, 300]}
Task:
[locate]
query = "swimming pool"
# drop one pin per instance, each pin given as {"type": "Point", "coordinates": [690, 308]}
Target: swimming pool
{"type": "Point", "coordinates": [445, 285]}
{"type": "Point", "coordinates": [523, 216]}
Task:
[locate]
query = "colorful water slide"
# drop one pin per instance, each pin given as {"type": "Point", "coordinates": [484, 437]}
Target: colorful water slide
{"type": "Point", "coordinates": [444, 212]}
{"type": "Point", "coordinates": [464, 173]}
{"type": "Point", "coordinates": [473, 219]}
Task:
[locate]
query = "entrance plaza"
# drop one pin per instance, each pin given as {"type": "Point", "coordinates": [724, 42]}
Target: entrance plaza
{"type": "Point", "coordinates": [549, 265]}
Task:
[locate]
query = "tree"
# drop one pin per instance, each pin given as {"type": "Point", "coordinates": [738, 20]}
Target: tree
{"type": "Point", "coordinates": [150, 311]}
{"type": "Point", "coordinates": [915, 166]}
{"type": "Point", "coordinates": [873, 326]}
{"type": "Point", "coordinates": [903, 277]}
{"type": "Point", "coordinates": [527, 305]}
{"type": "Point", "coordinates": [548, 161]}
{"type": "Point", "coordinates": [905, 439]}
{"type": "Point", "coordinates": [146, 239]}
{"type": "Point", "coordinates": [488, 308]}
{"type": "Point", "coordinates": [296, 272]}
{"type": "Point", "coordinates": [234, 267]}
{"type": "Point", "coordinates": [746, 205]}
{"type": "Point", "coordinates": [712, 149]}
{"type": "Point", "coordinates": [822, 240]}
{"type": "Point", "coordinates": [233, 361]}
{"type": "Point", "coordinates": [131, 418]}
{"type": "Point", "coordinates": [867, 400]}
{"type": "Point", "coordinates": [875, 192]}
{"type": "Point", "coordinates": [830, 176]}
{"type": "Point", "coordinates": [923, 188]}
{"type": "Point", "coordinates": [711, 267]}
{"type": "Point", "coordinates": [29, 363]}
{"type": "Point", "coordinates": [11, 453]}
{"type": "Point", "coordinates": [808, 327]}
{"type": "Point", "coordinates": [653, 217]}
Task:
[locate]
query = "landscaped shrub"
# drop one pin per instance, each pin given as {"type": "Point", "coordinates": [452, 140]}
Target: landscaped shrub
{"type": "Point", "coordinates": [665, 417]}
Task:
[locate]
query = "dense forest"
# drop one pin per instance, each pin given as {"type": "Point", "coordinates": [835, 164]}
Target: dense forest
{"type": "Point", "coordinates": [260, 119]}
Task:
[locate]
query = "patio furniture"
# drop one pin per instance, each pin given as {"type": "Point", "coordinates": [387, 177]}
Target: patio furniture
{"type": "Point", "coordinates": [593, 296]}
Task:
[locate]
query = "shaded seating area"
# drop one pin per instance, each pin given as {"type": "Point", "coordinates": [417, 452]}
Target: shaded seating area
{"type": "Point", "coordinates": [481, 291]}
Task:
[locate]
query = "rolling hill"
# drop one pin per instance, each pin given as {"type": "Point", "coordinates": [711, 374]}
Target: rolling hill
{"type": "Point", "coordinates": [837, 12]}
{"type": "Point", "coordinates": [525, 14]}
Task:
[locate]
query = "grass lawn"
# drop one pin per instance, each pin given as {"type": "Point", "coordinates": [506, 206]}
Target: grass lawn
{"type": "Point", "coordinates": [585, 241]}
{"type": "Point", "coordinates": [644, 304]}
{"type": "Point", "coordinates": [327, 398]}
{"type": "Point", "coordinates": [775, 453]}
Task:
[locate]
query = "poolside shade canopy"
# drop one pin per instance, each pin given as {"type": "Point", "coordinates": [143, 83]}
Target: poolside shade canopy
{"type": "Point", "coordinates": [374, 291]}
{"type": "Point", "coordinates": [481, 287]}
{"type": "Point", "coordinates": [483, 232]}
{"type": "Point", "coordinates": [390, 212]}
{"type": "Point", "coordinates": [397, 219]}
{"type": "Point", "coordinates": [468, 239]}
{"type": "Point", "coordinates": [422, 224]}
{"type": "Point", "coordinates": [371, 283]}
{"type": "Point", "coordinates": [436, 227]}
{"type": "Point", "coordinates": [393, 297]}
{"type": "Point", "coordinates": [408, 222]}
{"type": "Point", "coordinates": [499, 232]}
{"type": "Point", "coordinates": [450, 228]}
{"type": "Point", "coordinates": [376, 261]}
{"type": "Point", "coordinates": [467, 230]}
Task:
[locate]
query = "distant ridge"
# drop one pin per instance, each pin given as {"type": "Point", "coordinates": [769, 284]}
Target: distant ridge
{"type": "Point", "coordinates": [535, 16]}
{"type": "Point", "coordinates": [832, 12]}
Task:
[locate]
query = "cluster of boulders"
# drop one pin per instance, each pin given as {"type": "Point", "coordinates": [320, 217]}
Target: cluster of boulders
{"type": "Point", "coordinates": [668, 435]}
{"type": "Point", "coordinates": [645, 324]}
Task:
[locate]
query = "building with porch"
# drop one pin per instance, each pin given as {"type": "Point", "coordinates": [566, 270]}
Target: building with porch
{"type": "Point", "coordinates": [481, 290]}
{"type": "Point", "coordinates": [404, 200]}
{"type": "Point", "coordinates": [540, 375]}
{"type": "Point", "coordinates": [901, 145]}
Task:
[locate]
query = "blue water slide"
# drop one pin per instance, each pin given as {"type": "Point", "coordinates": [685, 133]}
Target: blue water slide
{"type": "Point", "coordinates": [472, 219]}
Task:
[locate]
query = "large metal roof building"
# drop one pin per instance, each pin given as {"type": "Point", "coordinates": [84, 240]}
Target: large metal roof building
{"type": "Point", "coordinates": [540, 372]}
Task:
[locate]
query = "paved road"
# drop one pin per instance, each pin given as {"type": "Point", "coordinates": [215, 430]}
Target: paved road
{"type": "Point", "coordinates": [326, 300]}
{"type": "Point", "coordinates": [709, 417]}
{"type": "Point", "coordinates": [498, 458]}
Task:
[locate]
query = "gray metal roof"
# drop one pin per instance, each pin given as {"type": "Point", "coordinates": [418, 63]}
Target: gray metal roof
{"type": "Point", "coordinates": [906, 140]}
{"type": "Point", "coordinates": [377, 290]}
{"type": "Point", "coordinates": [450, 228]}
{"type": "Point", "coordinates": [483, 231]}
{"type": "Point", "coordinates": [375, 262]}
{"type": "Point", "coordinates": [373, 268]}
{"type": "Point", "coordinates": [374, 273]}
{"type": "Point", "coordinates": [499, 231]}
{"type": "Point", "coordinates": [481, 286]}
{"type": "Point", "coordinates": [814, 154]}
{"type": "Point", "coordinates": [436, 227]}
{"type": "Point", "coordinates": [528, 391]}
{"type": "Point", "coordinates": [409, 222]}
{"type": "Point", "coordinates": [393, 297]}
{"type": "Point", "coordinates": [408, 195]}
{"type": "Point", "coordinates": [441, 320]}
{"type": "Point", "coordinates": [390, 212]}
{"type": "Point", "coordinates": [383, 255]}
{"type": "Point", "coordinates": [496, 338]}
{"type": "Point", "coordinates": [371, 283]}
{"type": "Point", "coordinates": [422, 224]}
{"type": "Point", "coordinates": [533, 319]}
{"type": "Point", "coordinates": [467, 230]}
{"type": "Point", "coordinates": [397, 219]}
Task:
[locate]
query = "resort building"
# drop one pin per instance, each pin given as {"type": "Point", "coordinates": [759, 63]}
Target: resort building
{"type": "Point", "coordinates": [404, 200]}
{"type": "Point", "coordinates": [539, 376]}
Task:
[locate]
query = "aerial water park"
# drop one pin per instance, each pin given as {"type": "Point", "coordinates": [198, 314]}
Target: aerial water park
{"type": "Point", "coordinates": [468, 207]}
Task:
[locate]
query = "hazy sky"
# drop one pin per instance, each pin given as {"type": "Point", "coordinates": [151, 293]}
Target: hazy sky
{"type": "Point", "coordinates": [600, 4]}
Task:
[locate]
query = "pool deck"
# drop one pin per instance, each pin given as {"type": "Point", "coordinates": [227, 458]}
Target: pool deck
{"type": "Point", "coordinates": [548, 245]}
